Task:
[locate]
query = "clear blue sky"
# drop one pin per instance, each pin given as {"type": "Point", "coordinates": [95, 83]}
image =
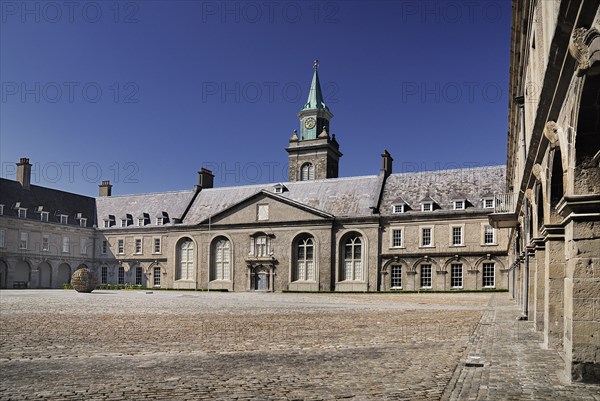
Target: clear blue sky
{"type": "Point", "coordinates": [144, 93]}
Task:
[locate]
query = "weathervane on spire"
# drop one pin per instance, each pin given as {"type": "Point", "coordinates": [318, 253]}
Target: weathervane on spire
{"type": "Point", "coordinates": [316, 65]}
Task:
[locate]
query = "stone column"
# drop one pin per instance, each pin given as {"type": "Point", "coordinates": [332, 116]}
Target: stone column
{"type": "Point", "coordinates": [531, 282]}
{"type": "Point", "coordinates": [539, 279]}
{"type": "Point", "coordinates": [582, 290]}
{"type": "Point", "coordinates": [554, 287]}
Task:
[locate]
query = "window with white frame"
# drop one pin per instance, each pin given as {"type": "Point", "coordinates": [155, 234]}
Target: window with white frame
{"type": "Point", "coordinates": [159, 221]}
{"type": "Point", "coordinates": [397, 238]}
{"type": "Point", "coordinates": [138, 245]}
{"type": "Point", "coordinates": [456, 275]}
{"type": "Point", "coordinates": [44, 216]}
{"type": "Point", "coordinates": [64, 219]}
{"type": "Point", "coordinates": [83, 222]}
{"type": "Point", "coordinates": [489, 235]}
{"type": "Point", "coordinates": [106, 223]}
{"type": "Point", "coordinates": [488, 203]}
{"type": "Point", "coordinates": [278, 190]}
{"type": "Point", "coordinates": [260, 246]}
{"type": "Point", "coordinates": [396, 277]}
{"type": "Point", "coordinates": [141, 222]}
{"type": "Point", "coordinates": [425, 276]}
{"type": "Point", "coordinates": [426, 206]}
{"type": "Point", "coordinates": [2, 238]}
{"type": "Point", "coordinates": [104, 275]}
{"type": "Point", "coordinates": [262, 212]}
{"type": "Point", "coordinates": [83, 246]}
{"type": "Point", "coordinates": [307, 172]}
{"type": "Point", "coordinates": [156, 276]}
{"type": "Point", "coordinates": [45, 242]}
{"type": "Point", "coordinates": [157, 245]}
{"type": "Point", "coordinates": [24, 240]}
{"type": "Point", "coordinates": [221, 259]}
{"type": "Point", "coordinates": [426, 236]}
{"type": "Point", "coordinates": [397, 209]}
{"type": "Point", "coordinates": [489, 275]}
{"type": "Point", "coordinates": [123, 222]}
{"type": "Point", "coordinates": [185, 260]}
{"type": "Point", "coordinates": [66, 244]}
{"type": "Point", "coordinates": [121, 246]}
{"type": "Point", "coordinates": [353, 263]}
{"type": "Point", "coordinates": [121, 275]}
{"type": "Point", "coordinates": [457, 235]}
{"type": "Point", "coordinates": [305, 264]}
{"type": "Point", "coordinates": [104, 246]}
{"type": "Point", "coordinates": [459, 205]}
{"type": "Point", "coordinates": [22, 213]}
{"type": "Point", "coordinates": [138, 275]}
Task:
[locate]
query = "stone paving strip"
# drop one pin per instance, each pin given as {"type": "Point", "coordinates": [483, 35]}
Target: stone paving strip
{"type": "Point", "coordinates": [111, 345]}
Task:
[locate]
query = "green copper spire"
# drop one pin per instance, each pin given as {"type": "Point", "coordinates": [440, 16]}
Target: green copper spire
{"type": "Point", "coordinates": [315, 96]}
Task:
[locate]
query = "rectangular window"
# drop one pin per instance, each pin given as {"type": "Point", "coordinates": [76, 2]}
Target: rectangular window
{"type": "Point", "coordinates": [64, 219]}
{"type": "Point", "coordinates": [396, 209]}
{"type": "Point", "coordinates": [456, 275]}
{"type": "Point", "coordinates": [141, 222]}
{"type": "Point", "coordinates": [65, 244]}
{"type": "Point", "coordinates": [123, 222]}
{"type": "Point", "coordinates": [45, 242]}
{"type": "Point", "coordinates": [260, 246]}
{"type": "Point", "coordinates": [121, 247]}
{"type": "Point", "coordinates": [83, 246]}
{"type": "Point", "coordinates": [138, 276]}
{"type": "Point", "coordinates": [106, 223]}
{"type": "Point", "coordinates": [104, 246]}
{"type": "Point", "coordinates": [488, 235]}
{"type": "Point", "coordinates": [1, 238]}
{"type": "Point", "coordinates": [83, 222]}
{"type": "Point", "coordinates": [396, 277]}
{"type": "Point", "coordinates": [489, 275]}
{"type": "Point", "coordinates": [159, 221]}
{"type": "Point", "coordinates": [459, 205]}
{"type": "Point", "coordinates": [263, 212]}
{"type": "Point", "coordinates": [427, 207]}
{"type": "Point", "coordinates": [426, 276]}
{"type": "Point", "coordinates": [138, 245]}
{"type": "Point", "coordinates": [24, 240]}
{"type": "Point", "coordinates": [22, 213]}
{"type": "Point", "coordinates": [488, 203]}
{"type": "Point", "coordinates": [157, 276]}
{"type": "Point", "coordinates": [104, 275]}
{"type": "Point", "coordinates": [397, 238]}
{"type": "Point", "coordinates": [121, 276]}
{"type": "Point", "coordinates": [157, 247]}
{"type": "Point", "coordinates": [426, 237]}
{"type": "Point", "coordinates": [44, 216]}
{"type": "Point", "coordinates": [457, 237]}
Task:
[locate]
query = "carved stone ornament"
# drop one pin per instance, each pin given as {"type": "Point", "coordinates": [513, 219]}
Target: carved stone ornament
{"type": "Point", "coordinates": [578, 49]}
{"type": "Point", "coordinates": [551, 133]}
{"type": "Point", "coordinates": [529, 195]}
{"type": "Point", "coordinates": [537, 172]}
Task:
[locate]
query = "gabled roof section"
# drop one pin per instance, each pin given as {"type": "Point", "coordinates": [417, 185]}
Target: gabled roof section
{"type": "Point", "coordinates": [52, 200]}
{"type": "Point", "coordinates": [154, 204]}
{"type": "Point", "coordinates": [339, 197]}
{"type": "Point", "coordinates": [315, 95]}
{"type": "Point", "coordinates": [443, 186]}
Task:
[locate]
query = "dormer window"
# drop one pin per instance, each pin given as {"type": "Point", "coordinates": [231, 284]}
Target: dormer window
{"type": "Point", "coordinates": [123, 222]}
{"type": "Point", "coordinates": [1, 210]}
{"type": "Point", "coordinates": [110, 221]}
{"type": "Point", "coordinates": [44, 216]}
{"type": "Point", "coordinates": [279, 188]}
{"type": "Point", "coordinates": [22, 213]}
{"type": "Point", "coordinates": [83, 222]}
{"type": "Point", "coordinates": [459, 205]}
{"type": "Point", "coordinates": [159, 221]}
{"type": "Point", "coordinates": [488, 203]}
{"type": "Point", "coordinates": [162, 218]}
{"type": "Point", "coordinates": [426, 206]}
{"type": "Point", "coordinates": [141, 222]}
{"type": "Point", "coordinates": [397, 209]}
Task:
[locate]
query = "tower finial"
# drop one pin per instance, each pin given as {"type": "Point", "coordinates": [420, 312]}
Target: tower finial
{"type": "Point", "coordinates": [316, 65]}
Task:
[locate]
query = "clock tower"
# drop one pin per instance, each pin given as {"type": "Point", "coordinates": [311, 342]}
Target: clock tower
{"type": "Point", "coordinates": [313, 154]}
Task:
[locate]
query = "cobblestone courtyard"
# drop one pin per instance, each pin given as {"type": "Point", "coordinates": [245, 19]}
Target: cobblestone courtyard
{"type": "Point", "coordinates": [59, 344]}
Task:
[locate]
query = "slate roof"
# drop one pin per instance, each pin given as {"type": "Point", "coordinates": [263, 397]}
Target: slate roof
{"type": "Point", "coordinates": [53, 201]}
{"type": "Point", "coordinates": [443, 186]}
{"type": "Point", "coordinates": [153, 204]}
{"type": "Point", "coordinates": [340, 197]}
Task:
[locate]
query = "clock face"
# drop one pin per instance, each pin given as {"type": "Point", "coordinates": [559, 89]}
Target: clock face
{"type": "Point", "coordinates": [309, 123]}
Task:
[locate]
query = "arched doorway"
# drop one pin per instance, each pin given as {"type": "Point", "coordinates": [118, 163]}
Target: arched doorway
{"type": "Point", "coordinates": [22, 275]}
{"type": "Point", "coordinates": [64, 275]}
{"type": "Point", "coordinates": [44, 275]}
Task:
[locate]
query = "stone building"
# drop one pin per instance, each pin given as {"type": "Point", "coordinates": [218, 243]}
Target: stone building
{"type": "Point", "coordinates": [552, 200]}
{"type": "Point", "coordinates": [45, 234]}
{"type": "Point", "coordinates": [317, 232]}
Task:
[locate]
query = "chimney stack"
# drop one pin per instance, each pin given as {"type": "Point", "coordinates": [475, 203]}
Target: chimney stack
{"type": "Point", "coordinates": [386, 163]}
{"type": "Point", "coordinates": [105, 189]}
{"type": "Point", "coordinates": [24, 172]}
{"type": "Point", "coordinates": [205, 178]}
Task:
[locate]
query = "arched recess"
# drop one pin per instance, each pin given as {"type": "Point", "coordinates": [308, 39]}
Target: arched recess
{"type": "Point", "coordinates": [587, 140]}
{"type": "Point", "coordinates": [221, 258]}
{"type": "Point", "coordinates": [185, 261]}
{"type": "Point", "coordinates": [420, 272]}
{"type": "Point", "coordinates": [22, 275]}
{"type": "Point", "coordinates": [63, 275]}
{"type": "Point", "coordinates": [393, 274]}
{"type": "Point", "coordinates": [305, 260]}
{"type": "Point", "coordinates": [556, 189]}
{"type": "Point", "coordinates": [539, 200]}
{"type": "Point", "coordinates": [44, 275]}
{"type": "Point", "coordinates": [352, 251]}
{"type": "Point", "coordinates": [3, 274]}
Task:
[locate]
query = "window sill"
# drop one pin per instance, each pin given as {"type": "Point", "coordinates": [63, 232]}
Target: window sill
{"type": "Point", "coordinates": [397, 247]}
{"type": "Point", "coordinates": [457, 246]}
{"type": "Point", "coordinates": [489, 244]}
{"type": "Point", "coordinates": [426, 246]}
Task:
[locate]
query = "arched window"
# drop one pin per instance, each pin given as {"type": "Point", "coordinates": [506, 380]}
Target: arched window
{"type": "Point", "coordinates": [307, 172]}
{"type": "Point", "coordinates": [185, 260]}
{"type": "Point", "coordinates": [221, 259]}
{"type": "Point", "coordinates": [305, 264]}
{"type": "Point", "coordinates": [353, 266]}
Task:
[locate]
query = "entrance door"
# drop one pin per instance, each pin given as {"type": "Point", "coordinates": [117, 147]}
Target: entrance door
{"type": "Point", "coordinates": [262, 281]}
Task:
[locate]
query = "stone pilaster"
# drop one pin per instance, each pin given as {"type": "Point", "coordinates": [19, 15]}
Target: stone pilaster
{"type": "Point", "coordinates": [539, 279]}
{"type": "Point", "coordinates": [554, 288]}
